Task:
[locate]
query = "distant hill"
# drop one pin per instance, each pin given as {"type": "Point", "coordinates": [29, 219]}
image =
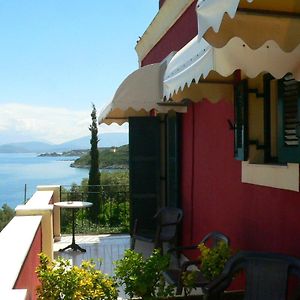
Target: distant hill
{"type": "Point", "coordinates": [114, 157]}
{"type": "Point", "coordinates": [25, 147]}
{"type": "Point", "coordinates": [115, 139]}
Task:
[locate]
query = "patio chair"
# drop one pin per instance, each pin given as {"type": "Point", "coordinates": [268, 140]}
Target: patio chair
{"type": "Point", "coordinates": [167, 220]}
{"type": "Point", "coordinates": [174, 276]}
{"type": "Point", "coordinates": [267, 276]}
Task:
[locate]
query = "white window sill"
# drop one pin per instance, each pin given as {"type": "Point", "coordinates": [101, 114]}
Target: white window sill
{"type": "Point", "coordinates": [275, 176]}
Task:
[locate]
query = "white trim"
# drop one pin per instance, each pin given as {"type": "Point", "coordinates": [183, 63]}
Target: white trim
{"type": "Point", "coordinates": [275, 176]}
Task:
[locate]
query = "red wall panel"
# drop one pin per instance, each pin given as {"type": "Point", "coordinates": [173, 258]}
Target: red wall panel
{"type": "Point", "coordinates": [254, 217]}
{"type": "Point", "coordinates": [213, 197]}
{"type": "Point", "coordinates": [27, 278]}
{"type": "Point", "coordinates": [184, 30]}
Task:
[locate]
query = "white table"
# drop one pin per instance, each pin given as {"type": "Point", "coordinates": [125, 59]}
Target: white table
{"type": "Point", "coordinates": [73, 205]}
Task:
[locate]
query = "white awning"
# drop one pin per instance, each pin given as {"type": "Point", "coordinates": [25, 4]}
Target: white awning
{"type": "Point", "coordinates": [210, 13]}
{"type": "Point", "coordinates": [138, 94]}
{"type": "Point", "coordinates": [198, 58]}
{"type": "Point", "coordinates": [187, 65]}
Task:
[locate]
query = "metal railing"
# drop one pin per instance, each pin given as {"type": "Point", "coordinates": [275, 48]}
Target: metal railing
{"type": "Point", "coordinates": [113, 214]}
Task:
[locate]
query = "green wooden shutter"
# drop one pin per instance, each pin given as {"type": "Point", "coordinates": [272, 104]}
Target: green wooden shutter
{"type": "Point", "coordinates": [288, 119]}
{"type": "Point", "coordinates": [144, 170]}
{"type": "Point", "coordinates": [241, 120]}
{"type": "Point", "coordinates": [172, 132]}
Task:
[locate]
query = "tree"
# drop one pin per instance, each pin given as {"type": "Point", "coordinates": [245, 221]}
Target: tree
{"type": "Point", "coordinates": [6, 214]}
{"type": "Point", "coordinates": [94, 174]}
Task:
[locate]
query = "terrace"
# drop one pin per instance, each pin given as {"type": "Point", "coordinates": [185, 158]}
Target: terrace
{"type": "Point", "coordinates": [36, 228]}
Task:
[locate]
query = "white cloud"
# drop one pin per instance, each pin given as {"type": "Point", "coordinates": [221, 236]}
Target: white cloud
{"type": "Point", "coordinates": [55, 125]}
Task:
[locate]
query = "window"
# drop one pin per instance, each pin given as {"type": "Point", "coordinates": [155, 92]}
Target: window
{"type": "Point", "coordinates": [288, 142]}
{"type": "Point", "coordinates": [267, 116]}
{"type": "Point", "coordinates": [241, 121]}
{"type": "Point", "coordinates": [153, 165]}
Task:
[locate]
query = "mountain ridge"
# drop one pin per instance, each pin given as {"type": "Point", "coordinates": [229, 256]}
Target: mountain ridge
{"type": "Point", "coordinates": [114, 139]}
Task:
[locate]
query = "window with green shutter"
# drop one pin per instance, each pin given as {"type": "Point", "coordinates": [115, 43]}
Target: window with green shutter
{"type": "Point", "coordinates": [153, 141]}
{"type": "Point", "coordinates": [144, 167]}
{"type": "Point", "coordinates": [280, 115]}
{"type": "Point", "coordinates": [172, 152]}
{"type": "Point", "coordinates": [241, 120]}
{"type": "Point", "coordinates": [289, 118]}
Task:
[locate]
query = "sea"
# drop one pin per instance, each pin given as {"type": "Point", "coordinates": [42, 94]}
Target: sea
{"type": "Point", "coordinates": [20, 170]}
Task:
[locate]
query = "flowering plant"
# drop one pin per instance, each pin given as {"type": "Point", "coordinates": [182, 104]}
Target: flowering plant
{"type": "Point", "coordinates": [213, 259]}
{"type": "Point", "coordinates": [60, 280]}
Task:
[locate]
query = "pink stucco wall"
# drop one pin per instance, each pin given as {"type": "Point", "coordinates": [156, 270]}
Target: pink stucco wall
{"type": "Point", "coordinates": [27, 278]}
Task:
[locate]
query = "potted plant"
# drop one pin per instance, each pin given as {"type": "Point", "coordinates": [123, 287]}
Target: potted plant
{"type": "Point", "coordinates": [212, 264]}
{"type": "Point", "coordinates": [60, 280]}
{"type": "Point", "coordinates": [142, 277]}
{"type": "Point", "coordinates": [213, 259]}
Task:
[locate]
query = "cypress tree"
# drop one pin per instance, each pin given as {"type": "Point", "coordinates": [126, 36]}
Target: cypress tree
{"type": "Point", "coordinates": [94, 174]}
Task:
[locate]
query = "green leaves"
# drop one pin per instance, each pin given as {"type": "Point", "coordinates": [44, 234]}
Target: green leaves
{"type": "Point", "coordinates": [143, 277]}
{"type": "Point", "coordinates": [214, 259]}
{"type": "Point", "coordinates": [6, 214]}
{"type": "Point", "coordinates": [60, 280]}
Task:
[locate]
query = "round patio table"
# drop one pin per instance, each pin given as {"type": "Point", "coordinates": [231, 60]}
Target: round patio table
{"type": "Point", "coordinates": [73, 205]}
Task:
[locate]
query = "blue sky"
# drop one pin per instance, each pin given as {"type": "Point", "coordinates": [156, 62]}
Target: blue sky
{"type": "Point", "coordinates": [58, 56]}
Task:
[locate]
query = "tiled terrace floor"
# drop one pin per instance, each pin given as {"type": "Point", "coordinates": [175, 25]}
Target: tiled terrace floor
{"type": "Point", "coordinates": [108, 248]}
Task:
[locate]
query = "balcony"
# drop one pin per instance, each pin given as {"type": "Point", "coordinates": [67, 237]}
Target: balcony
{"type": "Point", "coordinates": [36, 228]}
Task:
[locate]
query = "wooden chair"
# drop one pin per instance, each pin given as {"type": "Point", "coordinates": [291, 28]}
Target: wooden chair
{"type": "Point", "coordinates": [267, 275]}
{"type": "Point", "coordinates": [174, 275]}
{"type": "Point", "coordinates": [167, 220]}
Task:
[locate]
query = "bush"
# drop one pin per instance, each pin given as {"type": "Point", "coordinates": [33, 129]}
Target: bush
{"type": "Point", "coordinates": [59, 280]}
{"type": "Point", "coordinates": [214, 259]}
{"type": "Point", "coordinates": [143, 277]}
{"type": "Point", "coordinates": [6, 214]}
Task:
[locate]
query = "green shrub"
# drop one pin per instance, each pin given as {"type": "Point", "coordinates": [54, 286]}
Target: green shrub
{"type": "Point", "coordinates": [6, 214]}
{"type": "Point", "coordinates": [59, 280]}
{"type": "Point", "coordinates": [214, 259]}
{"type": "Point", "coordinates": [143, 277]}
{"type": "Point", "coordinates": [115, 214]}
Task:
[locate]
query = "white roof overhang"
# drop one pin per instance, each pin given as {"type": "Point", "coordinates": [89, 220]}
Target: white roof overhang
{"type": "Point", "coordinates": [138, 94]}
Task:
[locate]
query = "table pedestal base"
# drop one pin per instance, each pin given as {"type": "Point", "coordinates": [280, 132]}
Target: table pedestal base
{"type": "Point", "coordinates": [74, 247]}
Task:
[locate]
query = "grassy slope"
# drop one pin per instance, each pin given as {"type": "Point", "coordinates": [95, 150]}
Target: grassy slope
{"type": "Point", "coordinates": [107, 158]}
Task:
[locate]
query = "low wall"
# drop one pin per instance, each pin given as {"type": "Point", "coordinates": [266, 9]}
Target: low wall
{"type": "Point", "coordinates": [29, 233]}
{"type": "Point", "coordinates": [16, 241]}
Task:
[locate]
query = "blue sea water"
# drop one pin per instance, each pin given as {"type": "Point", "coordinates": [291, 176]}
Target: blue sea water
{"type": "Point", "coordinates": [19, 169]}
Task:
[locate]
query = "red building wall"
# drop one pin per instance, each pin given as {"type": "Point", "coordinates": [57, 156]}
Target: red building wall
{"type": "Point", "coordinates": [213, 197]}
{"type": "Point", "coordinates": [184, 30]}
{"type": "Point", "coordinates": [27, 278]}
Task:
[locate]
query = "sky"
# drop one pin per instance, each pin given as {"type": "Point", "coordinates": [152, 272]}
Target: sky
{"type": "Point", "coordinates": [57, 57]}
